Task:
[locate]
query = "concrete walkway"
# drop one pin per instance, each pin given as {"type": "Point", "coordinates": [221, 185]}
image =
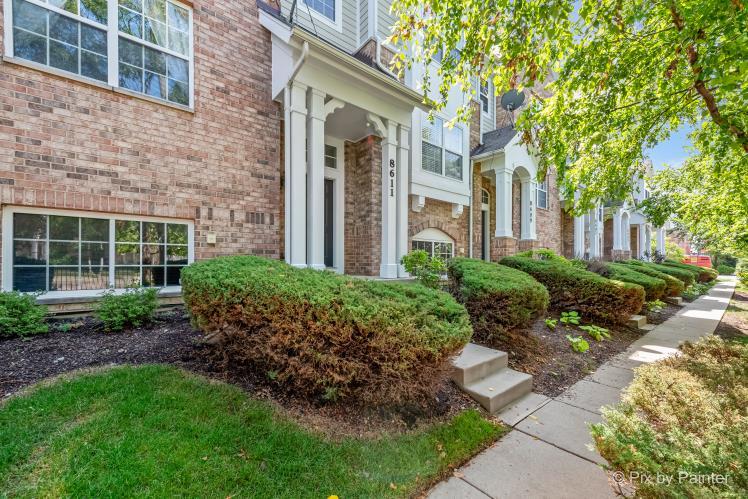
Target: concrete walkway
{"type": "Point", "coordinates": [549, 452]}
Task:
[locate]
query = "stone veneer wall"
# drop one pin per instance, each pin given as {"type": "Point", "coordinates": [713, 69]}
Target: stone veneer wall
{"type": "Point", "coordinates": [363, 206]}
{"type": "Point", "coordinates": [65, 144]}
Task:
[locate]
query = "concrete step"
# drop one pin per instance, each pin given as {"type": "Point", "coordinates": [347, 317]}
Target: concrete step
{"type": "Point", "coordinates": [476, 362]}
{"type": "Point", "coordinates": [674, 300]}
{"type": "Point", "coordinates": [500, 389]}
{"type": "Point", "coordinates": [637, 321]}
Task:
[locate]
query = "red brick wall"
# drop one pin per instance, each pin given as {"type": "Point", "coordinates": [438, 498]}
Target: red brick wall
{"type": "Point", "coordinates": [567, 234]}
{"type": "Point", "coordinates": [65, 144]}
{"type": "Point", "coordinates": [363, 206]}
{"type": "Point", "coordinates": [438, 215]}
{"type": "Point", "coordinates": [548, 222]}
{"type": "Point", "coordinates": [608, 239]}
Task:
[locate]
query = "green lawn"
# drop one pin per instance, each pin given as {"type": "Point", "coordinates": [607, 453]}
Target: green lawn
{"type": "Point", "coordinates": [158, 431]}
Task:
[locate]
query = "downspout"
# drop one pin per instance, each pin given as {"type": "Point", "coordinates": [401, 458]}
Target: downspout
{"type": "Point", "coordinates": [299, 62]}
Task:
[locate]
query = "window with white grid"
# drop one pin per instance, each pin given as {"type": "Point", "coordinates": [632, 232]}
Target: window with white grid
{"type": "Point", "coordinates": [441, 148]}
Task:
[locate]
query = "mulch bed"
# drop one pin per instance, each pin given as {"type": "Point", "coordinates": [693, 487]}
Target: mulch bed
{"type": "Point", "coordinates": [170, 339]}
{"type": "Point", "coordinates": [547, 355]}
{"type": "Point", "coordinates": [734, 324]}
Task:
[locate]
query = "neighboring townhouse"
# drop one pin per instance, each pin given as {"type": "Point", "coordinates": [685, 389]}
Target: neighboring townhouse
{"type": "Point", "coordinates": [137, 136]}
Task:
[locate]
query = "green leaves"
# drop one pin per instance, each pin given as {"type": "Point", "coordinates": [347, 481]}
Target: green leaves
{"type": "Point", "coordinates": [605, 84]}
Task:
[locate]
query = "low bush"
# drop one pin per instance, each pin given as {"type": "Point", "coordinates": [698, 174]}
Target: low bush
{"type": "Point", "coordinates": [673, 285]}
{"type": "Point", "coordinates": [20, 315]}
{"type": "Point", "coordinates": [498, 298]}
{"type": "Point", "coordinates": [685, 415]}
{"type": "Point", "coordinates": [594, 297]}
{"type": "Point", "coordinates": [724, 269]}
{"type": "Point", "coordinates": [687, 277]}
{"type": "Point", "coordinates": [703, 274]}
{"type": "Point", "coordinates": [426, 270]}
{"type": "Point", "coordinates": [323, 335]}
{"type": "Point", "coordinates": [133, 308]}
{"type": "Point", "coordinates": [654, 287]}
{"type": "Point", "coordinates": [741, 270]}
{"type": "Point", "coordinates": [543, 254]}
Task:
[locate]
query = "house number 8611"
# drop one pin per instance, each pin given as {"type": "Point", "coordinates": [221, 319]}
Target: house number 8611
{"type": "Point", "coordinates": [392, 178]}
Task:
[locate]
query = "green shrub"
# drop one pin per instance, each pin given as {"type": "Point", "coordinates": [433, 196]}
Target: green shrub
{"type": "Point", "coordinates": [654, 287]}
{"type": "Point", "coordinates": [20, 315]}
{"type": "Point", "coordinates": [498, 298]}
{"type": "Point", "coordinates": [687, 277]}
{"type": "Point", "coordinates": [594, 297]}
{"type": "Point", "coordinates": [686, 414]}
{"type": "Point", "coordinates": [724, 269]}
{"type": "Point", "coordinates": [324, 335]}
{"type": "Point", "coordinates": [673, 285]}
{"type": "Point", "coordinates": [741, 270]}
{"type": "Point", "coordinates": [543, 254]}
{"type": "Point", "coordinates": [703, 274]}
{"type": "Point", "coordinates": [428, 271]}
{"type": "Point", "coordinates": [133, 308]}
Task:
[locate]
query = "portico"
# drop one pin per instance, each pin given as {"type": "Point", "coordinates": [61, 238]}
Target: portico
{"type": "Point", "coordinates": [346, 157]}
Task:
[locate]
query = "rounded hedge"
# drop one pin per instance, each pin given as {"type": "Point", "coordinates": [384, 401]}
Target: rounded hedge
{"type": "Point", "coordinates": [323, 335]}
{"type": "Point", "coordinates": [498, 298]}
{"type": "Point", "coordinates": [687, 277]}
{"type": "Point", "coordinates": [571, 288]}
{"type": "Point", "coordinates": [654, 287]}
{"type": "Point", "coordinates": [673, 285]}
{"type": "Point", "coordinates": [703, 274]}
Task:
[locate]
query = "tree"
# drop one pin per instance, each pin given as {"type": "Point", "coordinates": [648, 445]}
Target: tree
{"type": "Point", "coordinates": [620, 75]}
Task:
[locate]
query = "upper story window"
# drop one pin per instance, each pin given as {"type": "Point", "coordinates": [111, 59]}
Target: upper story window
{"type": "Point", "coordinates": [542, 194]}
{"type": "Point", "coordinates": [441, 148]}
{"type": "Point", "coordinates": [146, 49]}
{"type": "Point", "coordinates": [484, 97]}
{"type": "Point", "coordinates": [324, 7]}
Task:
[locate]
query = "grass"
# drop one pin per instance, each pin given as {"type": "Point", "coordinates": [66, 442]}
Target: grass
{"type": "Point", "coordinates": [737, 311]}
{"type": "Point", "coordinates": [158, 431]}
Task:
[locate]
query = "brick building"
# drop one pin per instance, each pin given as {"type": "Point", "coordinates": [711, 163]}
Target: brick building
{"type": "Point", "coordinates": [138, 136]}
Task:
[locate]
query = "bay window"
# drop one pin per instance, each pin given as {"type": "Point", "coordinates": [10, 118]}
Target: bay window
{"type": "Point", "coordinates": [142, 46]}
{"type": "Point", "coordinates": [441, 148]}
{"type": "Point", "coordinates": [65, 252]}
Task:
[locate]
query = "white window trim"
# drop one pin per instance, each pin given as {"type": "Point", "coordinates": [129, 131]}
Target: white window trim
{"type": "Point", "coordinates": [7, 241]}
{"type": "Point", "coordinates": [444, 149]}
{"type": "Point", "coordinates": [113, 34]}
{"type": "Point", "coordinates": [542, 187]}
{"type": "Point", "coordinates": [433, 235]}
{"type": "Point", "coordinates": [337, 24]}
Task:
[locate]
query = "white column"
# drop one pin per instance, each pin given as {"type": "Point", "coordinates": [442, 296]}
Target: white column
{"type": "Point", "coordinates": [316, 179]}
{"type": "Point", "coordinates": [617, 236]}
{"type": "Point", "coordinates": [503, 203]}
{"type": "Point", "coordinates": [579, 237]}
{"type": "Point", "coordinates": [389, 264]}
{"type": "Point", "coordinates": [660, 240]}
{"type": "Point", "coordinates": [642, 240]}
{"type": "Point", "coordinates": [626, 233]}
{"type": "Point", "coordinates": [403, 181]}
{"type": "Point", "coordinates": [647, 240]}
{"type": "Point", "coordinates": [527, 225]}
{"type": "Point", "coordinates": [595, 233]}
{"type": "Point", "coordinates": [296, 175]}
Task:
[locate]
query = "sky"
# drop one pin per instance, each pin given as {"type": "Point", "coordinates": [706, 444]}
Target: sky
{"type": "Point", "coordinates": [671, 152]}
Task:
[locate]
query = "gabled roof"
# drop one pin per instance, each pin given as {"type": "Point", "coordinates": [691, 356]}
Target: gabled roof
{"type": "Point", "coordinates": [494, 141]}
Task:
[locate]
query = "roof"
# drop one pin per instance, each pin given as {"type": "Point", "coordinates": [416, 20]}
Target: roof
{"type": "Point", "coordinates": [494, 141]}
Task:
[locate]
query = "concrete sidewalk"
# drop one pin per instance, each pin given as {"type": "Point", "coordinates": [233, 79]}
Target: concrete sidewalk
{"type": "Point", "coordinates": [549, 451]}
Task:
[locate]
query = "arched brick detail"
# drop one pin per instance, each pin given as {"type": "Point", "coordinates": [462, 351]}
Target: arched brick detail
{"type": "Point", "coordinates": [432, 223]}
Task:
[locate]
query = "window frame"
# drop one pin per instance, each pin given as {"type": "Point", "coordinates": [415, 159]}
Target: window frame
{"type": "Point", "coordinates": [444, 150]}
{"type": "Point", "coordinates": [112, 35]}
{"type": "Point", "coordinates": [336, 23]}
{"type": "Point", "coordinates": [8, 238]}
{"type": "Point", "coordinates": [542, 187]}
{"type": "Point", "coordinates": [433, 242]}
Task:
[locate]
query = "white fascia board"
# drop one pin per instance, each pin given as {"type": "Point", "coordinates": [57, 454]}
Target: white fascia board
{"type": "Point", "coordinates": [430, 192]}
{"type": "Point", "coordinates": [276, 26]}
